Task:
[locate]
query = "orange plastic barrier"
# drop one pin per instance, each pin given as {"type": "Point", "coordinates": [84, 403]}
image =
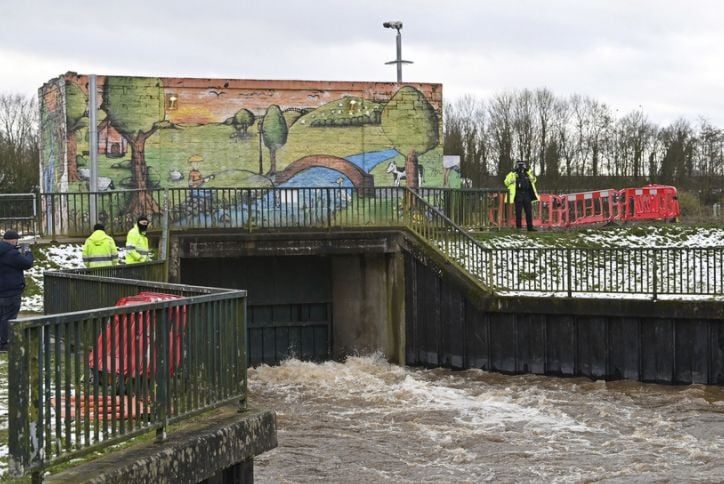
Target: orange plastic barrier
{"type": "Point", "coordinates": [134, 333]}
{"type": "Point", "coordinates": [114, 407]}
{"type": "Point", "coordinates": [652, 202]}
{"type": "Point", "coordinates": [594, 207]}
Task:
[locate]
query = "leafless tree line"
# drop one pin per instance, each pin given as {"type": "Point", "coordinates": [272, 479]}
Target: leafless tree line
{"type": "Point", "coordinates": [18, 143]}
{"type": "Point", "coordinates": [575, 136]}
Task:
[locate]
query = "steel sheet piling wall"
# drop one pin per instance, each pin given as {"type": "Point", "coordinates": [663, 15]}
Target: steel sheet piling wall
{"type": "Point", "coordinates": [448, 325]}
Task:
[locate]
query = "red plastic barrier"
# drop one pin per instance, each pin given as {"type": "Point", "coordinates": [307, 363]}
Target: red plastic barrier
{"type": "Point", "coordinates": [652, 202]}
{"type": "Point", "coordinates": [134, 333]}
{"type": "Point", "coordinates": [113, 407]}
{"type": "Point", "coordinates": [594, 207]}
{"type": "Point", "coordinates": [550, 211]}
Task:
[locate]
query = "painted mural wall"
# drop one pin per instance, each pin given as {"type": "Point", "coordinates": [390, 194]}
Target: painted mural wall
{"type": "Point", "coordinates": [181, 132]}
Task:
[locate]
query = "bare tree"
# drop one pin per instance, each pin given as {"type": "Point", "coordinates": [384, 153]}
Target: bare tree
{"type": "Point", "coordinates": [611, 162]}
{"type": "Point", "coordinates": [480, 142]}
{"type": "Point", "coordinates": [579, 118]}
{"type": "Point", "coordinates": [677, 144]}
{"type": "Point", "coordinates": [545, 106]}
{"type": "Point", "coordinates": [599, 119]}
{"type": "Point", "coordinates": [564, 133]}
{"type": "Point", "coordinates": [472, 121]}
{"type": "Point", "coordinates": [710, 150]}
{"type": "Point", "coordinates": [638, 132]}
{"type": "Point", "coordinates": [18, 143]}
{"type": "Point", "coordinates": [452, 131]}
{"type": "Point", "coordinates": [524, 124]}
{"type": "Point", "coordinates": [500, 113]}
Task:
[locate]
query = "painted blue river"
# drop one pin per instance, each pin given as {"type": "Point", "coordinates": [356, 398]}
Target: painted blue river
{"type": "Point", "coordinates": [324, 177]}
{"type": "Point", "coordinates": [284, 206]}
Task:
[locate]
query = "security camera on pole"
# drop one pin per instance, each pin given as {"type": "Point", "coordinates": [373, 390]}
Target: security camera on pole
{"type": "Point", "coordinates": [397, 25]}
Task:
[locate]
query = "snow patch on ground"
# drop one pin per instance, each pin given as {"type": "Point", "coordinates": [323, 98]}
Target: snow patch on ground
{"type": "Point", "coordinates": [50, 258]}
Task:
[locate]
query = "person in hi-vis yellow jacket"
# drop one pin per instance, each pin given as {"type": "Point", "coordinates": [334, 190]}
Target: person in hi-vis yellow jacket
{"type": "Point", "coordinates": [137, 242]}
{"type": "Point", "coordinates": [522, 192]}
{"type": "Point", "coordinates": [99, 249]}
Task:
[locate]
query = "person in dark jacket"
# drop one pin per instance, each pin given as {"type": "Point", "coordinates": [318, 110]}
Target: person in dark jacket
{"type": "Point", "coordinates": [522, 191]}
{"type": "Point", "coordinates": [14, 260]}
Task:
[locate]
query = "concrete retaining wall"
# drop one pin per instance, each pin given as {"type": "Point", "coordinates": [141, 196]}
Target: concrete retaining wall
{"type": "Point", "coordinates": [219, 447]}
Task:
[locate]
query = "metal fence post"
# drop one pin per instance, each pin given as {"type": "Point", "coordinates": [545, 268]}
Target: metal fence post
{"type": "Point", "coordinates": [329, 209]}
{"type": "Point", "coordinates": [569, 273]}
{"type": "Point", "coordinates": [162, 371]}
{"type": "Point", "coordinates": [241, 316]}
{"type": "Point", "coordinates": [36, 225]}
{"type": "Point", "coordinates": [19, 426]}
{"type": "Point", "coordinates": [655, 270]}
{"type": "Point", "coordinates": [248, 212]}
{"type": "Point", "coordinates": [491, 268]}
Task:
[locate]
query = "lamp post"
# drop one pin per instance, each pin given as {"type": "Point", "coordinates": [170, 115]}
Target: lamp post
{"type": "Point", "coordinates": [397, 25]}
{"type": "Point", "coordinates": [260, 128]}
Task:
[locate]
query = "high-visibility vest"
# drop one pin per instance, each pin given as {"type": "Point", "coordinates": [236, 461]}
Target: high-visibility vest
{"type": "Point", "coordinates": [510, 182]}
{"type": "Point", "coordinates": [100, 250]}
{"type": "Point", "coordinates": [136, 247]}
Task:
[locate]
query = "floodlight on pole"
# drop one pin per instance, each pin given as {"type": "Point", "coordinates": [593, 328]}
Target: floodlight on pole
{"type": "Point", "coordinates": [397, 25]}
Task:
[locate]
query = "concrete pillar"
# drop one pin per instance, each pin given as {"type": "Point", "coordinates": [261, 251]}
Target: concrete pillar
{"type": "Point", "coordinates": [369, 294]}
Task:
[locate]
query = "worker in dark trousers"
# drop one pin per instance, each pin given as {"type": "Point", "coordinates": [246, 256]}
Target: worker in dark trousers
{"type": "Point", "coordinates": [522, 192]}
{"type": "Point", "coordinates": [14, 259]}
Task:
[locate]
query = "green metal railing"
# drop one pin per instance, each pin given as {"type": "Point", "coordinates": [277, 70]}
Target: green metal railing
{"type": "Point", "coordinates": [256, 209]}
{"type": "Point", "coordinates": [448, 239]}
{"type": "Point", "coordinates": [467, 208]}
{"type": "Point", "coordinates": [444, 217]}
{"type": "Point", "coordinates": [654, 272]}
{"type": "Point", "coordinates": [64, 292]}
{"type": "Point", "coordinates": [68, 214]}
{"type": "Point", "coordinates": [676, 271]}
{"type": "Point", "coordinates": [18, 211]}
{"type": "Point", "coordinates": [88, 379]}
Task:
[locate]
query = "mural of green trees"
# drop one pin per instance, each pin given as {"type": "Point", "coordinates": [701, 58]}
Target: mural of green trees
{"type": "Point", "coordinates": [76, 113]}
{"type": "Point", "coordinates": [241, 122]}
{"type": "Point", "coordinates": [274, 133]}
{"type": "Point", "coordinates": [136, 108]}
{"type": "Point", "coordinates": [412, 126]}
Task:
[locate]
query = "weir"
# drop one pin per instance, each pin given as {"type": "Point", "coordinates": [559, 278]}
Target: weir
{"type": "Point", "coordinates": [388, 291]}
{"type": "Point", "coordinates": [323, 273]}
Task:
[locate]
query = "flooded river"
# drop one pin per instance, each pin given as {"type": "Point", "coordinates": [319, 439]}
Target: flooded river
{"type": "Point", "coordinates": [368, 421]}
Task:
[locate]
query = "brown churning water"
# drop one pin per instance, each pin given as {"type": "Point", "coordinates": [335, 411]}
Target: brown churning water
{"type": "Point", "coordinates": [368, 421]}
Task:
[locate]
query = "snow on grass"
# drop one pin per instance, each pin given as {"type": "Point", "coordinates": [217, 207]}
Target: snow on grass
{"type": "Point", "coordinates": [48, 258]}
{"type": "Point", "coordinates": [687, 263]}
{"type": "Point", "coordinates": [627, 237]}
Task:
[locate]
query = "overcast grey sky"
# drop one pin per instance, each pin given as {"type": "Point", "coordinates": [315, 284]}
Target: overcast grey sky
{"type": "Point", "coordinates": [663, 56]}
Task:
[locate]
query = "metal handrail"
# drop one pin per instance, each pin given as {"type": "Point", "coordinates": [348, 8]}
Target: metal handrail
{"type": "Point", "coordinates": [561, 271]}
{"type": "Point", "coordinates": [653, 272]}
{"type": "Point", "coordinates": [447, 238]}
{"type": "Point", "coordinates": [18, 211]}
{"type": "Point", "coordinates": [91, 378]}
